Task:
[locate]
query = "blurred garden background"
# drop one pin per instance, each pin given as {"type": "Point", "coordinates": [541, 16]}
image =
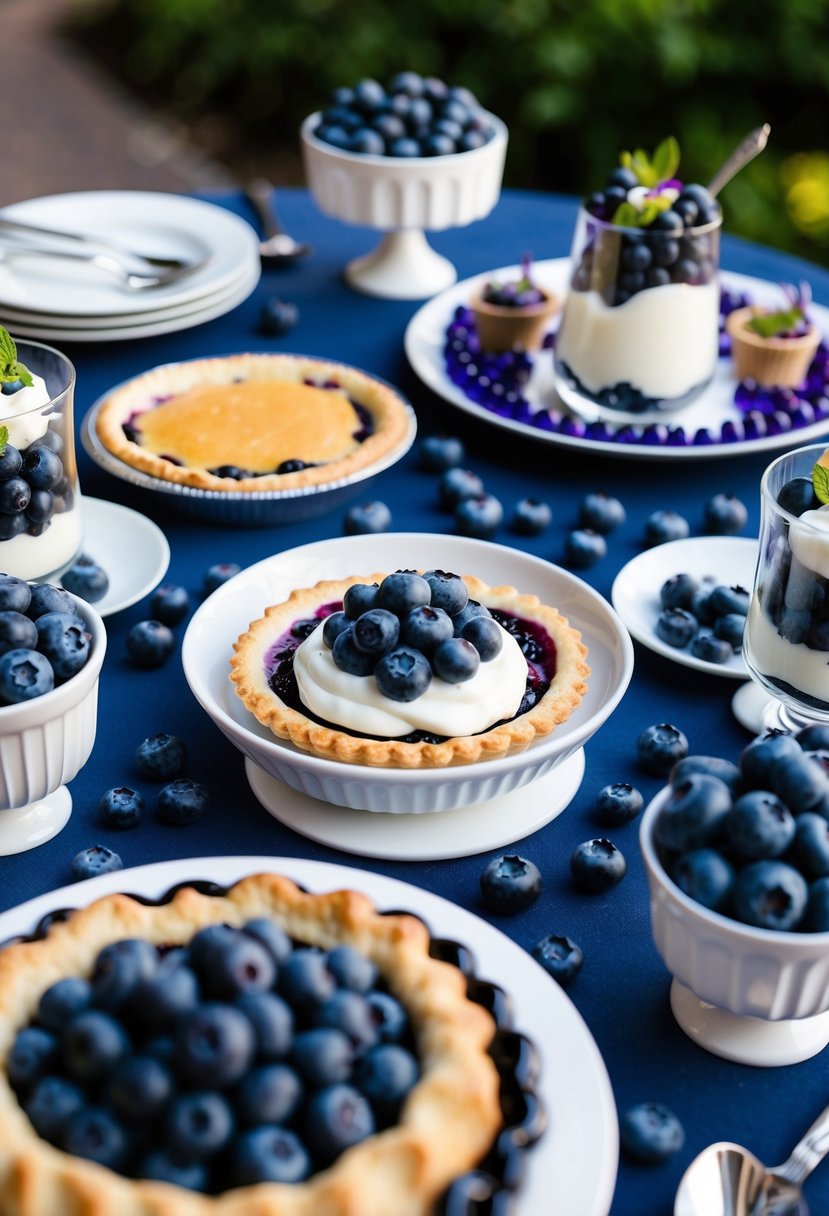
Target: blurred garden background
{"type": "Point", "coordinates": [575, 80]}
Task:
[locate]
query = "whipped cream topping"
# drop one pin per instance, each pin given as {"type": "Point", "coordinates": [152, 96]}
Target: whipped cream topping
{"type": "Point", "coordinates": [355, 702]}
{"type": "Point", "coordinates": [793, 662]}
{"type": "Point", "coordinates": [20, 412]}
{"type": "Point", "coordinates": [809, 539]}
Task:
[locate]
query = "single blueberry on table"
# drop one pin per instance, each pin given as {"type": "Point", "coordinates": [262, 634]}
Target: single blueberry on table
{"type": "Point", "coordinates": [725, 515]}
{"type": "Point", "coordinates": [277, 317]}
{"type": "Point", "coordinates": [770, 895]}
{"type": "Point", "coordinates": [160, 757]}
{"type": "Point", "coordinates": [710, 649]}
{"type": "Point", "coordinates": [601, 512]}
{"type": "Point", "coordinates": [659, 747]}
{"type": "Point", "coordinates": [664, 526]}
{"type": "Point", "coordinates": [365, 518]}
{"type": "Point", "coordinates": [121, 807]}
{"type": "Point", "coordinates": [618, 803]}
{"type": "Point", "coordinates": [509, 884]}
{"type": "Point", "coordinates": [479, 516]}
{"type": "Point", "coordinates": [584, 547]}
{"type": "Point", "coordinates": [693, 813]}
{"type": "Point", "coordinates": [676, 627]}
{"type": "Point", "coordinates": [597, 865]}
{"type": "Point", "coordinates": [705, 876]}
{"type": "Point", "coordinates": [759, 825]}
{"type": "Point", "coordinates": [403, 674]}
{"type": "Point", "coordinates": [678, 591]}
{"type": "Point", "coordinates": [531, 517]}
{"type": "Point", "coordinates": [86, 579]}
{"type": "Point", "coordinates": [217, 575]}
{"type": "Point", "coordinates": [456, 484]}
{"type": "Point", "coordinates": [95, 860]}
{"type": "Point", "coordinates": [650, 1132]}
{"type": "Point", "coordinates": [181, 802]}
{"type": "Point", "coordinates": [170, 603]}
{"type": "Point", "coordinates": [149, 644]}
{"type": "Point", "coordinates": [560, 957]}
{"type": "Point", "coordinates": [441, 452]}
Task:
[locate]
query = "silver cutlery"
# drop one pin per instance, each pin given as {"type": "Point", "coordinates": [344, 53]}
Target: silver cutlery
{"type": "Point", "coordinates": [135, 280]}
{"type": "Point", "coordinates": [95, 243]}
{"type": "Point", "coordinates": [751, 146]}
{"type": "Point", "coordinates": [727, 1180]}
{"type": "Point", "coordinates": [278, 248]}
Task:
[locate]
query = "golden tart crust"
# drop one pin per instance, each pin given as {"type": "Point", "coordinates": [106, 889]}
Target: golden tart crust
{"type": "Point", "coordinates": [447, 1124]}
{"type": "Point", "coordinates": [253, 411]}
{"type": "Point", "coordinates": [554, 707]}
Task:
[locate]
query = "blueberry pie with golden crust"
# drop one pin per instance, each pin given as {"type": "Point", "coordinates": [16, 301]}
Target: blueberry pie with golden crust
{"type": "Point", "coordinates": [410, 670]}
{"type": "Point", "coordinates": [261, 1052]}
{"type": "Point", "coordinates": [253, 422]}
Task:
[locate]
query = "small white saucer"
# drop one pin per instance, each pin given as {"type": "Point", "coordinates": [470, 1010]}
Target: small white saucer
{"type": "Point", "coordinates": [131, 549]}
{"type": "Point", "coordinates": [423, 837]}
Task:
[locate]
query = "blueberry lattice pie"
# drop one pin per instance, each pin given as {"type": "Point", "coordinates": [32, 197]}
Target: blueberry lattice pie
{"type": "Point", "coordinates": [253, 422]}
{"type": "Point", "coordinates": [410, 670]}
{"type": "Point", "coordinates": [262, 1052]}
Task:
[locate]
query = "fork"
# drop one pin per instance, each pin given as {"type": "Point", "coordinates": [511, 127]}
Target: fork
{"type": "Point", "coordinates": [157, 263]}
{"type": "Point", "coordinates": [135, 280]}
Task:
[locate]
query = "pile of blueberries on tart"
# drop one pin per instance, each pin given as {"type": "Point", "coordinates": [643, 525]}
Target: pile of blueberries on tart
{"type": "Point", "coordinates": [253, 422]}
{"type": "Point", "coordinates": [513, 313]}
{"type": "Point", "coordinates": [253, 1050]}
{"type": "Point", "coordinates": [43, 639]}
{"type": "Point", "coordinates": [34, 485]}
{"type": "Point", "coordinates": [410, 670]}
{"type": "Point", "coordinates": [413, 116]}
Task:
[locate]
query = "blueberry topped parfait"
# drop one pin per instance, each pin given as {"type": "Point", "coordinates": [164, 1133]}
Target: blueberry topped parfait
{"type": "Point", "coordinates": [40, 524]}
{"type": "Point", "coordinates": [775, 346]}
{"type": "Point", "coordinates": [410, 670]}
{"type": "Point", "coordinates": [513, 313]}
{"type": "Point", "coordinates": [639, 332]}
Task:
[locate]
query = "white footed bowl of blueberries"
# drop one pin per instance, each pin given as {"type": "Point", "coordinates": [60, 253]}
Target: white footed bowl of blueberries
{"type": "Point", "coordinates": [737, 859]}
{"type": "Point", "coordinates": [414, 154]}
{"type": "Point", "coordinates": [52, 647]}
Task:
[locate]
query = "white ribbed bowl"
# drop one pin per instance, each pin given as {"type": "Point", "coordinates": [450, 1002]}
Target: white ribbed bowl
{"type": "Point", "coordinates": [738, 969]}
{"type": "Point", "coordinates": [207, 649]}
{"type": "Point", "coordinates": [45, 742]}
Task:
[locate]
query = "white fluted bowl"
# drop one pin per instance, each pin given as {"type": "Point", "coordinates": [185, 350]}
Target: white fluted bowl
{"type": "Point", "coordinates": [402, 196]}
{"type": "Point", "coordinates": [759, 996]}
{"type": "Point", "coordinates": [43, 744]}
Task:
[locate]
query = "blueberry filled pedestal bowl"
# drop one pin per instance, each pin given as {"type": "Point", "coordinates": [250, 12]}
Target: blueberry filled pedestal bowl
{"type": "Point", "coordinates": [753, 995]}
{"type": "Point", "coordinates": [465, 781]}
{"type": "Point", "coordinates": [40, 513]}
{"type": "Point", "coordinates": [639, 334]}
{"type": "Point", "coordinates": [786, 641]}
{"type": "Point", "coordinates": [47, 736]}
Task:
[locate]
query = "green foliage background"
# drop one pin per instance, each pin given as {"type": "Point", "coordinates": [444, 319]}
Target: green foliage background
{"type": "Point", "coordinates": [575, 80]}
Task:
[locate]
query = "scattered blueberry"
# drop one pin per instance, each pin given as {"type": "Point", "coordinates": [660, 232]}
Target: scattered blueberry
{"type": "Point", "coordinates": [650, 1132]}
{"type": "Point", "coordinates": [618, 803]}
{"type": "Point", "coordinates": [441, 452]}
{"type": "Point", "coordinates": [597, 865]}
{"type": "Point", "coordinates": [584, 547]}
{"type": "Point", "coordinates": [664, 526]}
{"type": "Point", "coordinates": [149, 644]}
{"type": "Point", "coordinates": [86, 579]}
{"type": "Point", "coordinates": [509, 884]}
{"type": "Point", "coordinates": [161, 757]}
{"type": "Point", "coordinates": [367, 517]}
{"type": "Point", "coordinates": [216, 576]}
{"type": "Point", "coordinates": [725, 515]}
{"type": "Point", "coordinates": [659, 747]}
{"type": "Point", "coordinates": [95, 860]}
{"type": "Point", "coordinates": [277, 316]}
{"type": "Point", "coordinates": [479, 516]}
{"type": "Point", "coordinates": [531, 517]}
{"type": "Point", "coordinates": [601, 512]}
{"type": "Point", "coordinates": [560, 957]}
{"type": "Point", "coordinates": [121, 807]}
{"type": "Point", "coordinates": [181, 802]}
{"type": "Point", "coordinates": [170, 603]}
{"type": "Point", "coordinates": [456, 484]}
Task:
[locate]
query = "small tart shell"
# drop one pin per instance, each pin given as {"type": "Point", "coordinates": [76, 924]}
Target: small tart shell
{"type": "Point", "coordinates": [392, 417]}
{"type": "Point", "coordinates": [564, 694]}
{"type": "Point", "coordinates": [447, 1123]}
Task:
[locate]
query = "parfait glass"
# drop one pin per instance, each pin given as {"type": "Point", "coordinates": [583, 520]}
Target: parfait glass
{"type": "Point", "coordinates": [40, 523]}
{"type": "Point", "coordinates": [786, 640]}
{"type": "Point", "coordinates": [639, 334]}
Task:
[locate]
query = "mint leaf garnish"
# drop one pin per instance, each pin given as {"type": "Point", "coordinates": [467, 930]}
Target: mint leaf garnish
{"type": "Point", "coordinates": [820, 481]}
{"type": "Point", "coordinates": [10, 369]}
{"type": "Point", "coordinates": [773, 324]}
{"type": "Point", "coordinates": [4, 438]}
{"type": "Point", "coordinates": [665, 160]}
{"type": "Point", "coordinates": [626, 216]}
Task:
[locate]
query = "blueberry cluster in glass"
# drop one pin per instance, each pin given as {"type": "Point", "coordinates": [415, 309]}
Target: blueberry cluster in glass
{"type": "Point", "coordinates": [244, 1057]}
{"type": "Point", "coordinates": [794, 598]}
{"type": "Point", "coordinates": [410, 628]}
{"type": "Point", "coordinates": [751, 840]}
{"type": "Point", "coordinates": [412, 116]}
{"type": "Point", "coordinates": [43, 641]}
{"type": "Point", "coordinates": [33, 485]}
{"type": "Point", "coordinates": [707, 616]}
{"type": "Point", "coordinates": [674, 247]}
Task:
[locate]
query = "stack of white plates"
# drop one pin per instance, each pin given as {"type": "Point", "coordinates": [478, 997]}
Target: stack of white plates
{"type": "Point", "coordinates": [61, 298]}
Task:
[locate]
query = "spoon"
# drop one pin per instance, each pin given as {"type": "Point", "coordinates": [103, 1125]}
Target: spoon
{"type": "Point", "coordinates": [751, 146]}
{"type": "Point", "coordinates": [278, 248]}
{"type": "Point", "coordinates": [727, 1180]}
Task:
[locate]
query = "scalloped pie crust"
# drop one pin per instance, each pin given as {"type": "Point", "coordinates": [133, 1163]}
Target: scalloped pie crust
{"type": "Point", "coordinates": [254, 412]}
{"type": "Point", "coordinates": [554, 707]}
{"type": "Point", "coordinates": [447, 1123]}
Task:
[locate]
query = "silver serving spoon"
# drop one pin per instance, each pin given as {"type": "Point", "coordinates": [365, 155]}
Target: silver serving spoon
{"type": "Point", "coordinates": [727, 1180]}
{"type": "Point", "coordinates": [278, 248]}
{"type": "Point", "coordinates": [751, 146]}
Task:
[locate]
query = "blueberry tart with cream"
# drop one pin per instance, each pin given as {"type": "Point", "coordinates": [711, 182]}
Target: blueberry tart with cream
{"type": "Point", "coordinates": [410, 670]}
{"type": "Point", "coordinates": [253, 422]}
{"type": "Point", "coordinates": [259, 1051]}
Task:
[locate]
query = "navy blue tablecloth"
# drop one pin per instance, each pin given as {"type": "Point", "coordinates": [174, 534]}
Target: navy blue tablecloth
{"type": "Point", "coordinates": [623, 989]}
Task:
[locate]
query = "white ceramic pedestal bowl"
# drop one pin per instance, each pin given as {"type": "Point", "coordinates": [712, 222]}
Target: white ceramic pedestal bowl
{"type": "Point", "coordinates": [43, 744]}
{"type": "Point", "coordinates": [402, 196]}
{"type": "Point", "coordinates": [207, 649]}
{"type": "Point", "coordinates": [757, 996]}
